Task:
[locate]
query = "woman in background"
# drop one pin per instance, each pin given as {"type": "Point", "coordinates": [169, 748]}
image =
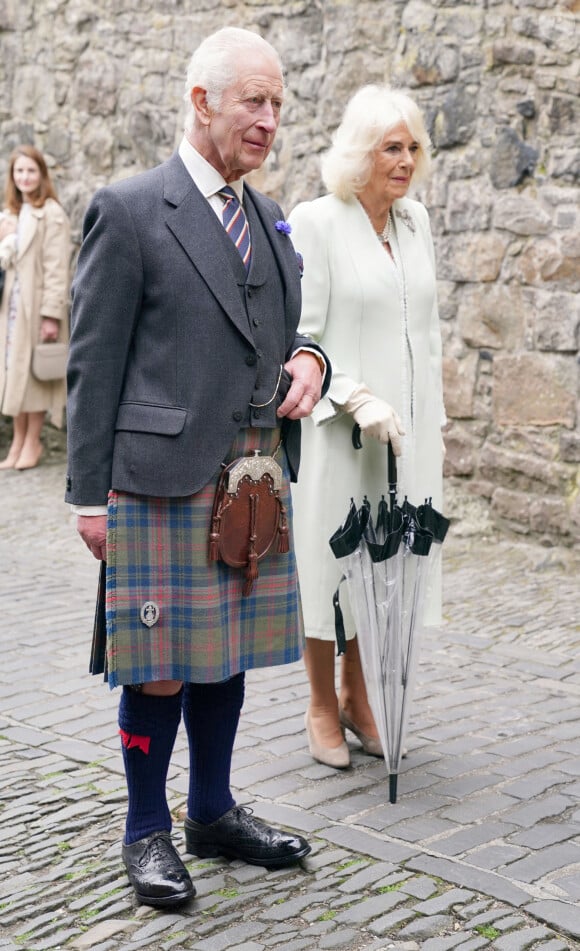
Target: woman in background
{"type": "Point", "coordinates": [35, 252]}
{"type": "Point", "coordinates": [369, 299]}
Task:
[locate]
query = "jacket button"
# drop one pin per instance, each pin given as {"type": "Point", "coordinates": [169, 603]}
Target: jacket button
{"type": "Point", "coordinates": [251, 359]}
{"type": "Point", "coordinates": [238, 416]}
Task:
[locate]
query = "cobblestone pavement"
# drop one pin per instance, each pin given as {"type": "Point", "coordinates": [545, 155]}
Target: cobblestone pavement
{"type": "Point", "coordinates": [482, 849]}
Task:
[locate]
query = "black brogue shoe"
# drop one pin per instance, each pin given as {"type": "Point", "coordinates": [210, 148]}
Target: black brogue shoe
{"type": "Point", "coordinates": [156, 872]}
{"type": "Point", "coordinates": [239, 835]}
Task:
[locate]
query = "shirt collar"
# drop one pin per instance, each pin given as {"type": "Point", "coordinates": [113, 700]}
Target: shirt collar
{"type": "Point", "coordinates": [206, 177]}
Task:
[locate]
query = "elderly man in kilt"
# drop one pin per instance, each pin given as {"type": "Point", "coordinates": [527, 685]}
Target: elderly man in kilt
{"type": "Point", "coordinates": [184, 356]}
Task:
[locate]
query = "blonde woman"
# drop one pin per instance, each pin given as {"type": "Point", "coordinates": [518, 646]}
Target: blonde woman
{"type": "Point", "coordinates": [369, 299]}
{"type": "Point", "coordinates": [35, 252]}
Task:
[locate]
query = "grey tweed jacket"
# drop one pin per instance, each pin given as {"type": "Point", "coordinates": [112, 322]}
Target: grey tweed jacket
{"type": "Point", "coordinates": [162, 359]}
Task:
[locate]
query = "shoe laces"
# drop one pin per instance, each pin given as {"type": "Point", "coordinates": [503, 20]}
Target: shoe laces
{"type": "Point", "coordinates": [157, 850]}
{"type": "Point", "coordinates": [246, 817]}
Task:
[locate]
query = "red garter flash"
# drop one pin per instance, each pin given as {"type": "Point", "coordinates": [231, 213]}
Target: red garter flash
{"type": "Point", "coordinates": [131, 740]}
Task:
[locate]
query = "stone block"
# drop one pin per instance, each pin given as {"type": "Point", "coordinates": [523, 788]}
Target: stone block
{"type": "Point", "coordinates": [447, 300]}
{"type": "Point", "coordinates": [512, 506]}
{"type": "Point", "coordinates": [511, 160]}
{"type": "Point", "coordinates": [461, 456]}
{"type": "Point", "coordinates": [468, 206]}
{"type": "Point", "coordinates": [549, 515]}
{"type": "Point", "coordinates": [574, 516]}
{"type": "Point", "coordinates": [560, 915]}
{"type": "Point", "coordinates": [97, 84]}
{"type": "Point", "coordinates": [541, 443]}
{"type": "Point", "coordinates": [535, 389]}
{"type": "Point", "coordinates": [565, 164]}
{"type": "Point", "coordinates": [479, 880]}
{"type": "Point", "coordinates": [506, 51]}
{"type": "Point", "coordinates": [556, 320]}
{"type": "Point", "coordinates": [459, 379]}
{"type": "Point", "coordinates": [521, 215]}
{"type": "Point", "coordinates": [454, 121]}
{"type": "Point", "coordinates": [426, 61]}
{"type": "Point", "coordinates": [463, 22]}
{"type": "Point", "coordinates": [471, 256]}
{"type": "Point", "coordinates": [522, 471]}
{"type": "Point", "coordinates": [493, 316]}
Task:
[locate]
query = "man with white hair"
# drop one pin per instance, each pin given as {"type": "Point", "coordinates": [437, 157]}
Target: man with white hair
{"type": "Point", "coordinates": [184, 355]}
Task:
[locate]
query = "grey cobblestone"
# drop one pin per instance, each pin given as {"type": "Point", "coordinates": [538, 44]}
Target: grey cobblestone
{"type": "Point", "coordinates": [487, 796]}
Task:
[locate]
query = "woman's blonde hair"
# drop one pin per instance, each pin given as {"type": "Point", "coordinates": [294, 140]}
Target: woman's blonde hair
{"type": "Point", "coordinates": [13, 195]}
{"type": "Point", "coordinates": [369, 115]}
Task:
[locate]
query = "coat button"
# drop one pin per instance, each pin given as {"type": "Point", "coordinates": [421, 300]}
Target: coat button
{"type": "Point", "coordinates": [251, 359]}
{"type": "Point", "coordinates": [238, 416]}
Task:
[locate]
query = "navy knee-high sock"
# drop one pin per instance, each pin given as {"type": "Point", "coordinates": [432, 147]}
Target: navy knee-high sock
{"type": "Point", "coordinates": [211, 713]}
{"type": "Point", "coordinates": [148, 727]}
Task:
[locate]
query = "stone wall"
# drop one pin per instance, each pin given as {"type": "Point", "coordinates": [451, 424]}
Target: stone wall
{"type": "Point", "coordinates": [98, 85]}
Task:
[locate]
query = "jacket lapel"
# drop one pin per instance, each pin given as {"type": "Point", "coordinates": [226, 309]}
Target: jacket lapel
{"type": "Point", "coordinates": [282, 248]}
{"type": "Point", "coordinates": [194, 224]}
{"type": "Point", "coordinates": [29, 229]}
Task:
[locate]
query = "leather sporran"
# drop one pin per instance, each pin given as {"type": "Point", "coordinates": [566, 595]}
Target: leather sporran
{"type": "Point", "coordinates": [248, 517]}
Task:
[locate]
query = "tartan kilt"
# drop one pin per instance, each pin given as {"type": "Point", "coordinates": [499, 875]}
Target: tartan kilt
{"type": "Point", "coordinates": [206, 631]}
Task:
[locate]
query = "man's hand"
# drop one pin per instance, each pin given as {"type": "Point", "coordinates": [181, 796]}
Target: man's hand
{"type": "Point", "coordinates": [304, 393]}
{"type": "Point", "coordinates": [93, 531]}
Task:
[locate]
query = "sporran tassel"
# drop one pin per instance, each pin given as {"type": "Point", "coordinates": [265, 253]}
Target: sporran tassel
{"type": "Point", "coordinates": [283, 538]}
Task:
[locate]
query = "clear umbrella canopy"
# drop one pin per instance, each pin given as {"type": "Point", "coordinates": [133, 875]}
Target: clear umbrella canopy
{"type": "Point", "coordinates": [385, 563]}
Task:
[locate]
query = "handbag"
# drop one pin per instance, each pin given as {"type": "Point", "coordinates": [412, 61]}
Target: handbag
{"type": "Point", "coordinates": [248, 515]}
{"type": "Point", "coordinates": [49, 361]}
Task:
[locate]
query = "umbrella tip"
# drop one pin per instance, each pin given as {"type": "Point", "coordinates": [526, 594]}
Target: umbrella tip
{"type": "Point", "coordinates": [393, 788]}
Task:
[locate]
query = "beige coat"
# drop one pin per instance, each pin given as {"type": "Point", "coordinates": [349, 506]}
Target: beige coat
{"type": "Point", "coordinates": [42, 263]}
{"type": "Point", "coordinates": [379, 325]}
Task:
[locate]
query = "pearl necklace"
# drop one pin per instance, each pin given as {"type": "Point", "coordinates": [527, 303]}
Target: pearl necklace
{"type": "Point", "coordinates": [384, 236]}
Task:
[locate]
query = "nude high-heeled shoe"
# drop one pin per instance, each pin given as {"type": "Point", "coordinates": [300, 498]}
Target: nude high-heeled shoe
{"type": "Point", "coordinates": [11, 459]}
{"type": "Point", "coordinates": [29, 458]}
{"type": "Point", "coordinates": [370, 744]}
{"type": "Point", "coordinates": [336, 756]}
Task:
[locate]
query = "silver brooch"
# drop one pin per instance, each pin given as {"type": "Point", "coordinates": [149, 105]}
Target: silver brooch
{"type": "Point", "coordinates": [149, 613]}
{"type": "Point", "coordinates": [406, 219]}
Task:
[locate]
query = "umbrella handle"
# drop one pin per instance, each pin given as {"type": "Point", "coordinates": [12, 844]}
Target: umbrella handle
{"type": "Point", "coordinates": [357, 443]}
{"type": "Point", "coordinates": [355, 436]}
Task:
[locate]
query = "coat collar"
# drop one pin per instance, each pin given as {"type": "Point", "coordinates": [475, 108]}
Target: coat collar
{"type": "Point", "coordinates": [29, 228]}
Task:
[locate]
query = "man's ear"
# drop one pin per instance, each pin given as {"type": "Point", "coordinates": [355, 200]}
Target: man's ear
{"type": "Point", "coordinates": [199, 102]}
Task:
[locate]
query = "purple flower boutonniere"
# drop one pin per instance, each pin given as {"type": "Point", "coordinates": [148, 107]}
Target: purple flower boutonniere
{"type": "Point", "coordinates": [283, 227]}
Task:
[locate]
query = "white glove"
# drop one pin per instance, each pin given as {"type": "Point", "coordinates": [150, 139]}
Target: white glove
{"type": "Point", "coordinates": [375, 417]}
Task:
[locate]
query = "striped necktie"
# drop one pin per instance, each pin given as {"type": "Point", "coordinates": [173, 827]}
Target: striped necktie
{"type": "Point", "coordinates": [236, 224]}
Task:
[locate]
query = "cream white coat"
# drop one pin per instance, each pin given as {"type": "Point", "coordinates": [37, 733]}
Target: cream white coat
{"type": "Point", "coordinates": [378, 322]}
{"type": "Point", "coordinates": [43, 266]}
